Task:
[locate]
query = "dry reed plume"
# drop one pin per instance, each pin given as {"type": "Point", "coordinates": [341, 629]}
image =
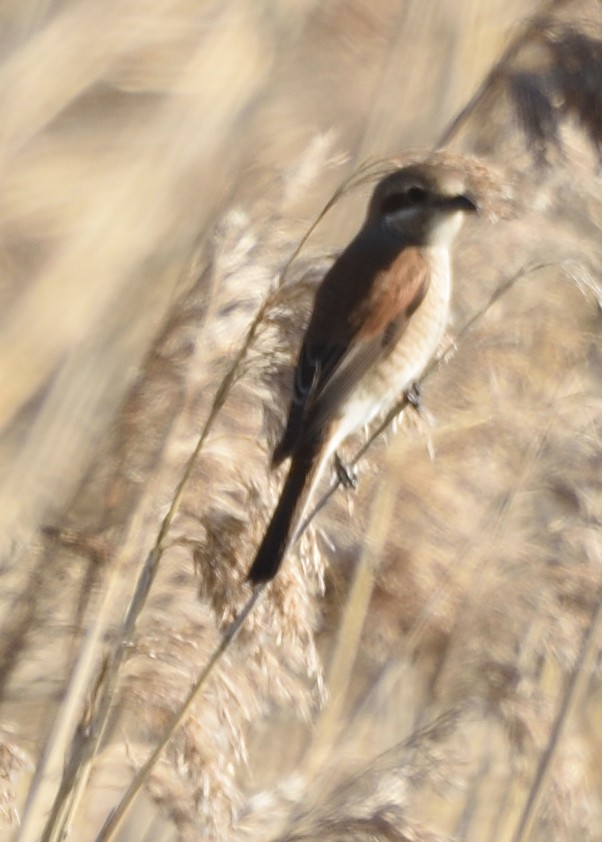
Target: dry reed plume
{"type": "Point", "coordinates": [161, 169]}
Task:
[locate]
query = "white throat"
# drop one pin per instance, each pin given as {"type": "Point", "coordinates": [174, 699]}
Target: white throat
{"type": "Point", "coordinates": [446, 229]}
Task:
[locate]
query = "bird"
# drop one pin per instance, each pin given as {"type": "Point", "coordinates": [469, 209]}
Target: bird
{"type": "Point", "coordinates": [378, 317]}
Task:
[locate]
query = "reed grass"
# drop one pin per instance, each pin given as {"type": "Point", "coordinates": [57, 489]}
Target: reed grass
{"type": "Point", "coordinates": [175, 181]}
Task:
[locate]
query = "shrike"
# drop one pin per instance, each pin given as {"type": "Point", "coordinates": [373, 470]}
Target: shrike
{"type": "Point", "coordinates": [378, 317]}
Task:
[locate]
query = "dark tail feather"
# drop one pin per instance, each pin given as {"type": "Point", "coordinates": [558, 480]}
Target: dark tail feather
{"type": "Point", "coordinates": [281, 528]}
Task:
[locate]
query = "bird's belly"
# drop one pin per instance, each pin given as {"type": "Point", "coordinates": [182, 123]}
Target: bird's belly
{"type": "Point", "coordinates": [382, 386]}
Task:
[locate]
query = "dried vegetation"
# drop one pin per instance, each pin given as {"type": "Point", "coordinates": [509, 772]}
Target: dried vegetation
{"type": "Point", "coordinates": [426, 665]}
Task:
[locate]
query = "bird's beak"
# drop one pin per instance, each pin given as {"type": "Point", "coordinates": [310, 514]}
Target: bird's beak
{"type": "Point", "coordinates": [460, 203]}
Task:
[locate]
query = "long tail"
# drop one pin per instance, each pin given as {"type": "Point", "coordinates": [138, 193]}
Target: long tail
{"type": "Point", "coordinates": [298, 485]}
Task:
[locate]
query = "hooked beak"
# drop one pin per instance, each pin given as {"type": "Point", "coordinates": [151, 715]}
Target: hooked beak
{"type": "Point", "coordinates": [460, 203]}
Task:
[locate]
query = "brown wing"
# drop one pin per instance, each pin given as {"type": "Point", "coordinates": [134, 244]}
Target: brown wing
{"type": "Point", "coordinates": [360, 312]}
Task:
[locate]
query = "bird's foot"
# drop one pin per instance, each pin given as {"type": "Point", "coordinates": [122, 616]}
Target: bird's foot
{"type": "Point", "coordinates": [345, 473]}
{"type": "Point", "coordinates": [423, 417]}
{"type": "Point", "coordinates": [414, 397]}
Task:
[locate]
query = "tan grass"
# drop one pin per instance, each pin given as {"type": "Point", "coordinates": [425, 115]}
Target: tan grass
{"type": "Point", "coordinates": [172, 192]}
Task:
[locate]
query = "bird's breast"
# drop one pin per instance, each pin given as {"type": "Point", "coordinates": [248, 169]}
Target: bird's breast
{"type": "Point", "coordinates": [384, 383]}
{"type": "Point", "coordinates": [424, 330]}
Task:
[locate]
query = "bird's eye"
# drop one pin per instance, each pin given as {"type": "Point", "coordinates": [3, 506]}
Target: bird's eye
{"type": "Point", "coordinates": [398, 201]}
{"type": "Point", "coordinates": [416, 195]}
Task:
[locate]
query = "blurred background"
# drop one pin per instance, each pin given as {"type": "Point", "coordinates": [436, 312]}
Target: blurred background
{"type": "Point", "coordinates": [426, 666]}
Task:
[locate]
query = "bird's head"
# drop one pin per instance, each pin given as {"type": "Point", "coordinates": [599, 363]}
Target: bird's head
{"type": "Point", "coordinates": [422, 204]}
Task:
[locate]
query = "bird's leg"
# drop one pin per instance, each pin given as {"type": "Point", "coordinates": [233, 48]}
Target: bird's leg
{"type": "Point", "coordinates": [414, 397]}
{"type": "Point", "coordinates": [345, 473]}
